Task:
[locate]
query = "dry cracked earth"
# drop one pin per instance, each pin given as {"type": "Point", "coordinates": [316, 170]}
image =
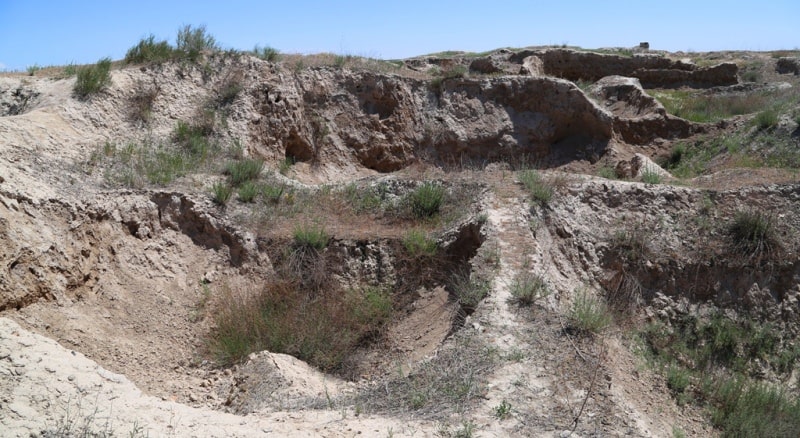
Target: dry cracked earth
{"type": "Point", "coordinates": [556, 166]}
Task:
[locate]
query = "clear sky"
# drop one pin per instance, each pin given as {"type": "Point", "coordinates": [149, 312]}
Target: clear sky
{"type": "Point", "coordinates": [58, 32]}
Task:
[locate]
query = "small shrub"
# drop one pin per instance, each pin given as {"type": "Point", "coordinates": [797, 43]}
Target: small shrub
{"type": "Point", "coordinates": [418, 244]}
{"type": "Point", "coordinates": [148, 50]}
{"type": "Point", "coordinates": [248, 191]}
{"type": "Point", "coordinates": [192, 41]}
{"type": "Point", "coordinates": [589, 314]}
{"type": "Point", "coordinates": [230, 88]}
{"type": "Point", "coordinates": [93, 78]}
{"type": "Point", "coordinates": [457, 71]}
{"type": "Point", "coordinates": [311, 236]}
{"type": "Point", "coordinates": [540, 191]}
{"type": "Point", "coordinates": [163, 166]}
{"type": "Point", "coordinates": [527, 288]}
{"type": "Point", "coordinates": [266, 53]}
{"type": "Point", "coordinates": [221, 192]}
{"type": "Point", "coordinates": [426, 200]}
{"type": "Point", "coordinates": [753, 233]}
{"type": "Point", "coordinates": [32, 69]}
{"type": "Point", "coordinates": [243, 170]}
{"type": "Point", "coordinates": [70, 70]}
{"type": "Point", "coordinates": [751, 76]}
{"type": "Point", "coordinates": [468, 290]}
{"type": "Point", "coordinates": [366, 200]}
{"type": "Point", "coordinates": [677, 380]}
{"type": "Point", "coordinates": [766, 119]}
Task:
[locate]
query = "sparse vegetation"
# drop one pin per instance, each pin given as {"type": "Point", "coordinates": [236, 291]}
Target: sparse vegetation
{"type": "Point", "coordinates": [370, 199]}
{"type": "Point", "coordinates": [589, 314]}
{"type": "Point", "coordinates": [281, 317]}
{"type": "Point", "coordinates": [766, 119]}
{"type": "Point", "coordinates": [221, 192]}
{"type": "Point", "coordinates": [311, 236]}
{"type": "Point", "coordinates": [540, 190]}
{"type": "Point", "coordinates": [148, 50]}
{"type": "Point", "coordinates": [607, 172]}
{"type": "Point", "coordinates": [469, 290]}
{"type": "Point", "coordinates": [418, 244]}
{"type": "Point", "coordinates": [710, 361]}
{"type": "Point", "coordinates": [272, 192]}
{"type": "Point", "coordinates": [191, 42]}
{"type": "Point", "coordinates": [708, 108]}
{"type": "Point", "coordinates": [753, 233]}
{"type": "Point", "coordinates": [450, 382]}
{"type": "Point", "coordinates": [528, 288]}
{"type": "Point", "coordinates": [650, 176]}
{"type": "Point", "coordinates": [248, 191]}
{"type": "Point", "coordinates": [242, 171]}
{"type": "Point", "coordinates": [32, 69]}
{"type": "Point", "coordinates": [426, 200]}
{"type": "Point", "coordinates": [93, 79]}
{"type": "Point", "coordinates": [266, 53]}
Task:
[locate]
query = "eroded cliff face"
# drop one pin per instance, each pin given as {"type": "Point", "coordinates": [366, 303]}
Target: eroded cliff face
{"type": "Point", "coordinates": [382, 121]}
{"type": "Point", "coordinates": [123, 275]}
{"type": "Point", "coordinates": [341, 122]}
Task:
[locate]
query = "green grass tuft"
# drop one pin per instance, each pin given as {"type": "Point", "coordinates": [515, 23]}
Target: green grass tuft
{"type": "Point", "coordinates": [527, 288]}
{"type": "Point", "coordinates": [248, 191]}
{"type": "Point", "coordinates": [242, 171]}
{"type": "Point", "coordinates": [221, 192]}
{"type": "Point", "coordinates": [753, 233]}
{"type": "Point", "coordinates": [589, 314]}
{"type": "Point", "coordinates": [766, 119]}
{"type": "Point", "coordinates": [469, 290]}
{"type": "Point", "coordinates": [311, 236]}
{"type": "Point", "coordinates": [426, 200]}
{"type": "Point", "coordinates": [539, 189]}
{"type": "Point", "coordinates": [418, 244]}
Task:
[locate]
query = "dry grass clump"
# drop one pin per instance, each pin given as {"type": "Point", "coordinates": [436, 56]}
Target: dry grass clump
{"type": "Point", "coordinates": [527, 288]}
{"type": "Point", "coordinates": [541, 191]}
{"type": "Point", "coordinates": [451, 382]}
{"type": "Point", "coordinates": [323, 329]}
{"type": "Point", "coordinates": [142, 102]}
{"type": "Point", "coordinates": [709, 108]}
{"type": "Point", "coordinates": [754, 235]}
{"type": "Point", "coordinates": [589, 315]}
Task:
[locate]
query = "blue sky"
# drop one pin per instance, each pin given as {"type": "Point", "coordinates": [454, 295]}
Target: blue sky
{"type": "Point", "coordinates": [58, 32]}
